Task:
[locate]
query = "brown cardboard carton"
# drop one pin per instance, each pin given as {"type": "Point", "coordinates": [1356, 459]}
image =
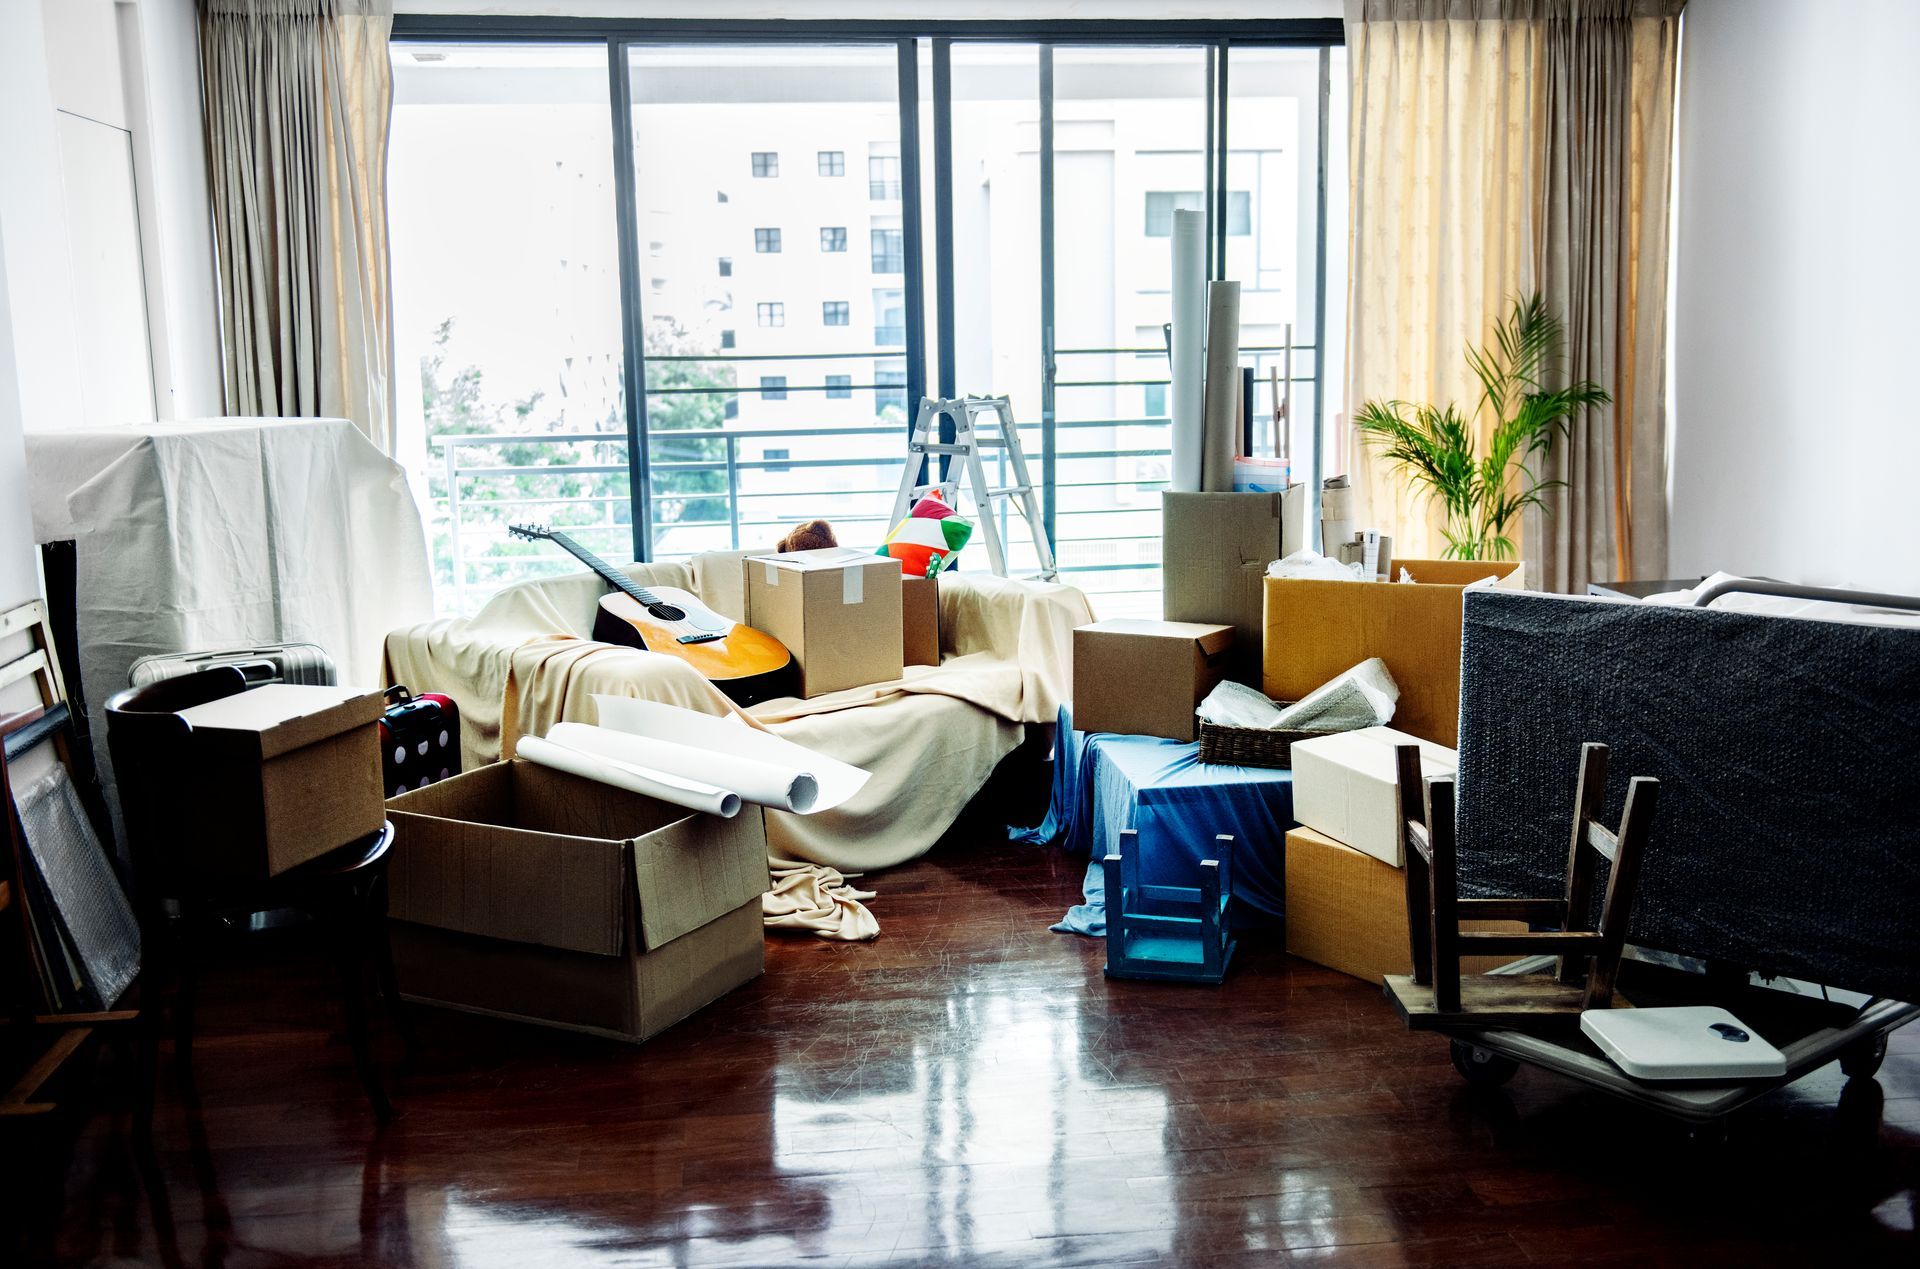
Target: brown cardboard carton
{"type": "Point", "coordinates": [838, 610]}
{"type": "Point", "coordinates": [1145, 677]}
{"type": "Point", "coordinates": [1214, 552]}
{"type": "Point", "coordinates": [527, 893]}
{"type": "Point", "coordinates": [1315, 630]}
{"type": "Point", "coordinates": [920, 620]}
{"type": "Point", "coordinates": [282, 774]}
{"type": "Point", "coordinates": [1348, 911]}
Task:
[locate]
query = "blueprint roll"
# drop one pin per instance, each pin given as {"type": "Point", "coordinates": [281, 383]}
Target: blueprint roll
{"type": "Point", "coordinates": [780, 787]}
{"type": "Point", "coordinates": [1220, 423]}
{"type": "Point", "coordinates": [1189, 347]}
{"type": "Point", "coordinates": [692, 794]}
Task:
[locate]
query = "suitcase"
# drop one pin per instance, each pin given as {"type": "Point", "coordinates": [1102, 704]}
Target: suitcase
{"type": "Point", "coordinates": [419, 740]}
{"type": "Point", "coordinates": [305, 663]}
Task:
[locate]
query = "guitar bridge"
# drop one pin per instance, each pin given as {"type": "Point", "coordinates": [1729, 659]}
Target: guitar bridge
{"type": "Point", "coordinates": [708, 637]}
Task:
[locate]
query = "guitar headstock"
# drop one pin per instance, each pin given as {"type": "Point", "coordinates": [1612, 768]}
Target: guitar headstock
{"type": "Point", "coordinates": [531, 532]}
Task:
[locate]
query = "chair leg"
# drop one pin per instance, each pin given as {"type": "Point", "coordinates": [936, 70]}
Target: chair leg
{"type": "Point", "coordinates": [1588, 800]}
{"type": "Point", "coordinates": [382, 938]}
{"type": "Point", "coordinates": [1419, 887]}
{"type": "Point", "coordinates": [185, 993]}
{"type": "Point", "coordinates": [1635, 824]}
{"type": "Point", "coordinates": [349, 940]}
{"type": "Point", "coordinates": [1446, 898]}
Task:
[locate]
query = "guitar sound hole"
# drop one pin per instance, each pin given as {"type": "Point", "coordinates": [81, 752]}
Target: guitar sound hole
{"type": "Point", "coordinates": [667, 612]}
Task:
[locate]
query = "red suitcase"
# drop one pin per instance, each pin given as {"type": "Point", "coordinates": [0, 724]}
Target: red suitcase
{"type": "Point", "coordinates": [419, 740]}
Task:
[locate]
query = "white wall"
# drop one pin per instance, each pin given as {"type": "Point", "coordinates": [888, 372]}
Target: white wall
{"type": "Point", "coordinates": [1796, 434]}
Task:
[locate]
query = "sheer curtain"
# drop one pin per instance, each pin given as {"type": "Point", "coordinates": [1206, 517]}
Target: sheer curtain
{"type": "Point", "coordinates": [1499, 146]}
{"type": "Point", "coordinates": [298, 96]}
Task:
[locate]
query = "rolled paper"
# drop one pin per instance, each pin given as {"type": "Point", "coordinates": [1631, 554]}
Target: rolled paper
{"type": "Point", "coordinates": [1220, 432]}
{"type": "Point", "coordinates": [1188, 358]}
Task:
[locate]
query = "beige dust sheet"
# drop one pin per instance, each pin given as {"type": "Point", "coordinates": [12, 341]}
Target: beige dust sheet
{"type": "Point", "coordinates": [930, 740]}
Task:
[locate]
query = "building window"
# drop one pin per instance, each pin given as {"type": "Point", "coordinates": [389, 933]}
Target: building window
{"type": "Point", "coordinates": [833, 238]}
{"type": "Point", "coordinates": [773, 314]}
{"type": "Point", "coordinates": [766, 163]}
{"type": "Point", "coordinates": [834, 312]}
{"type": "Point", "coordinates": [1156, 400]}
{"type": "Point", "coordinates": [726, 266]}
{"type": "Point", "coordinates": [766, 241]}
{"type": "Point", "coordinates": [773, 387]}
{"type": "Point", "coordinates": [730, 409]}
{"type": "Point", "coordinates": [726, 339]}
{"type": "Point", "coordinates": [833, 162]}
{"type": "Point", "coordinates": [883, 172]}
{"type": "Point", "coordinates": [889, 390]}
{"type": "Point", "coordinates": [775, 459]}
{"type": "Point", "coordinates": [889, 251]}
{"type": "Point", "coordinates": [719, 196]}
{"type": "Point", "coordinates": [839, 387]}
{"type": "Point", "coordinates": [1161, 204]}
{"type": "Point", "coordinates": [889, 318]}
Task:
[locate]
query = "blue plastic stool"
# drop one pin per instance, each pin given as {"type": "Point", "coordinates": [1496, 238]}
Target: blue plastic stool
{"type": "Point", "coordinates": [1168, 933]}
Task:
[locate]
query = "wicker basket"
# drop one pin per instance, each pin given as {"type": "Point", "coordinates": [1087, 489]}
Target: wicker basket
{"type": "Point", "coordinates": [1251, 746]}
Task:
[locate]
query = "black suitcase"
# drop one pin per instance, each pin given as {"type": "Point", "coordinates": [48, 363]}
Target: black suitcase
{"type": "Point", "coordinates": [419, 740]}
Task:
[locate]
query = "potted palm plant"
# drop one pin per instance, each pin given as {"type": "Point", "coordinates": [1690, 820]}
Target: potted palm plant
{"type": "Point", "coordinates": [1480, 494]}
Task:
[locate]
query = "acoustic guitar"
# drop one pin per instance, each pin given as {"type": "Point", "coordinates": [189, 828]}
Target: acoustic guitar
{"type": "Point", "coordinates": [747, 664]}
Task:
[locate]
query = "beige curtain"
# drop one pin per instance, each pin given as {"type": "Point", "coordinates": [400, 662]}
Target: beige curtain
{"type": "Point", "coordinates": [298, 96]}
{"type": "Point", "coordinates": [1497, 146]}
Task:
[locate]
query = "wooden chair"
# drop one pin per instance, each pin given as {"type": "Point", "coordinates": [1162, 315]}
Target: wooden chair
{"type": "Point", "coordinates": [1168, 933]}
{"type": "Point", "coordinates": [1589, 958]}
{"type": "Point", "coordinates": [344, 890]}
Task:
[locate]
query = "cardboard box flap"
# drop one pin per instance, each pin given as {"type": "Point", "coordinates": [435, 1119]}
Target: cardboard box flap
{"type": "Point", "coordinates": [1506, 573]}
{"type": "Point", "coordinates": [509, 884]}
{"type": "Point", "coordinates": [696, 870]}
{"type": "Point", "coordinates": [278, 718]}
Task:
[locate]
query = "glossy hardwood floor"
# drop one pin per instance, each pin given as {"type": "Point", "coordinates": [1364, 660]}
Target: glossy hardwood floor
{"type": "Point", "coordinates": [967, 1089]}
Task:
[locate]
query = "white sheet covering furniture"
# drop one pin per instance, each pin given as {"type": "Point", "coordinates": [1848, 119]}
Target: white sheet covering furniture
{"type": "Point", "coordinates": [208, 533]}
{"type": "Point", "coordinates": [931, 739]}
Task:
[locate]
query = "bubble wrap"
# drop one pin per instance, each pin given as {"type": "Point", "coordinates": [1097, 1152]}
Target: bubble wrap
{"type": "Point", "coordinates": [1788, 832]}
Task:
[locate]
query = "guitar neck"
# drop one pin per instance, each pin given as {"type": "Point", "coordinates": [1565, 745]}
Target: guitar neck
{"type": "Point", "coordinates": [608, 573]}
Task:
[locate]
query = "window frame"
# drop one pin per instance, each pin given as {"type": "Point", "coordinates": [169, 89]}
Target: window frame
{"type": "Point", "coordinates": [1219, 37]}
{"type": "Point", "coordinates": [763, 235]}
{"type": "Point", "coordinates": [833, 246]}
{"type": "Point", "coordinates": [775, 309]}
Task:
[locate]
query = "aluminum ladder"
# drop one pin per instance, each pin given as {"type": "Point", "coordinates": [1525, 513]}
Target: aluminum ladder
{"type": "Point", "coordinates": [969, 438]}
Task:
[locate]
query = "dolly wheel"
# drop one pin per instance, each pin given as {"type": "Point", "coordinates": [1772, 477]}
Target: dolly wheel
{"type": "Point", "coordinates": [1483, 1068]}
{"type": "Point", "coordinates": [1859, 1060]}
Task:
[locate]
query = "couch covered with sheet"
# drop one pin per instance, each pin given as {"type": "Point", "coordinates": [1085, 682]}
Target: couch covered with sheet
{"type": "Point", "coordinates": [1787, 835]}
{"type": "Point", "coordinates": [525, 662]}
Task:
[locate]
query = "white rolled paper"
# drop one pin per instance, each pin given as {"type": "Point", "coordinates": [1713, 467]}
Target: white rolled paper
{"type": "Point", "coordinates": [1220, 425]}
{"type": "Point", "coordinates": [693, 794]}
{"type": "Point", "coordinates": [782, 788]}
{"type": "Point", "coordinates": [1186, 403]}
{"type": "Point", "coordinates": [718, 744]}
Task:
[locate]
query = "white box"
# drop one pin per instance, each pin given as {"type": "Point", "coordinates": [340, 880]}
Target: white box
{"type": "Point", "coordinates": [1343, 786]}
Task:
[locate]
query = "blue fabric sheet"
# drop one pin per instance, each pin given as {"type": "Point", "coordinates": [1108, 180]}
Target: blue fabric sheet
{"type": "Point", "coordinates": [1103, 783]}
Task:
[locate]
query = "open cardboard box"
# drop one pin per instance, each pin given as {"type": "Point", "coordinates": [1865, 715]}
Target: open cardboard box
{"type": "Point", "coordinates": [527, 893]}
{"type": "Point", "coordinates": [1318, 629]}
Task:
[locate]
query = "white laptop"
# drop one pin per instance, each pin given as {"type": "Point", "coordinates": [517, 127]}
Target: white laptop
{"type": "Point", "coordinates": [1690, 1042]}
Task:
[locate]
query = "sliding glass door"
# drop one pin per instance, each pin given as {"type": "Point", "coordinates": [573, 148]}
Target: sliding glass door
{"type": "Point", "coordinates": [679, 293]}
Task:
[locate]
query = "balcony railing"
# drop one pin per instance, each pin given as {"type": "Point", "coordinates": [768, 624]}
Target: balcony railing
{"type": "Point", "coordinates": [1106, 520]}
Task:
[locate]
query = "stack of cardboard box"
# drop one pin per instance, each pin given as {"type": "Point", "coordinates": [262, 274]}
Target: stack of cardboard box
{"type": "Point", "coordinates": [1346, 891]}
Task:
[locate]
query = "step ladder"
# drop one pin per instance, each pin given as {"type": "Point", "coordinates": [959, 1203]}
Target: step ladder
{"type": "Point", "coordinates": [969, 438]}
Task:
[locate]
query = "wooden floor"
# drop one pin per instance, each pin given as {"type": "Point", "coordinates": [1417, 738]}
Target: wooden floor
{"type": "Point", "coordinates": [967, 1089]}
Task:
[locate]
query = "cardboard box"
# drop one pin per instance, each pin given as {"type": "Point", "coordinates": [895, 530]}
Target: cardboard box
{"type": "Point", "coordinates": [1348, 911]}
{"type": "Point", "coordinates": [838, 610]}
{"type": "Point", "coordinates": [1315, 630]}
{"type": "Point", "coordinates": [1344, 785]}
{"type": "Point", "coordinates": [527, 893]}
{"type": "Point", "coordinates": [1214, 552]}
{"type": "Point", "coordinates": [281, 774]}
{"type": "Point", "coordinates": [920, 620]}
{"type": "Point", "coordinates": [1145, 677]}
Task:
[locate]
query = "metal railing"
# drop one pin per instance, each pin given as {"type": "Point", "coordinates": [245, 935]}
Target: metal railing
{"type": "Point", "coordinates": [753, 515]}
